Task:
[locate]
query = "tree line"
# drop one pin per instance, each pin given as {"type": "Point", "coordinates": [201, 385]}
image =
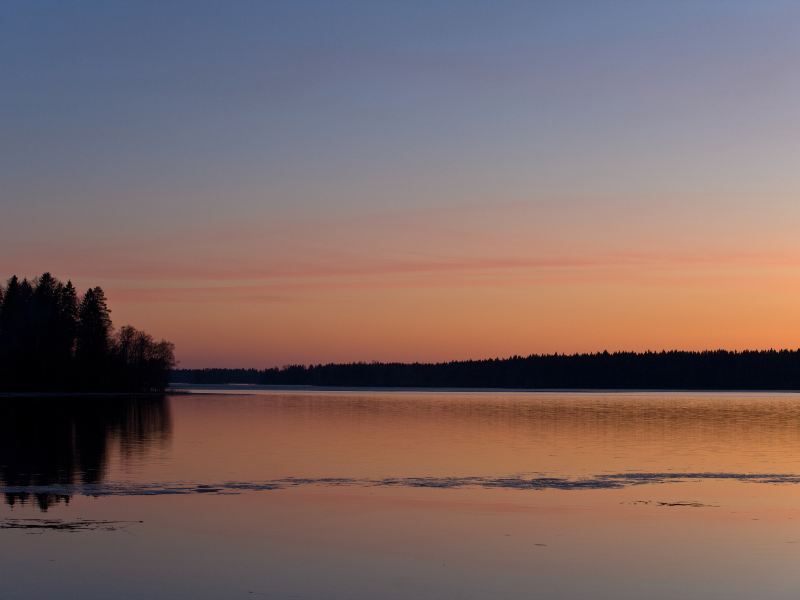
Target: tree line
{"type": "Point", "coordinates": [706, 370]}
{"type": "Point", "coordinates": [52, 339]}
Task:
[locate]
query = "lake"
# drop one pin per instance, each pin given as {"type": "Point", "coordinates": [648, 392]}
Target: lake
{"type": "Point", "coordinates": [377, 494]}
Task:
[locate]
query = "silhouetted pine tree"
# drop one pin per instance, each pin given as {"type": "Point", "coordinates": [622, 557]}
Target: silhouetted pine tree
{"type": "Point", "coordinates": [44, 330]}
{"type": "Point", "coordinates": [13, 324]}
{"type": "Point", "coordinates": [93, 340]}
{"type": "Point", "coordinates": [66, 330]}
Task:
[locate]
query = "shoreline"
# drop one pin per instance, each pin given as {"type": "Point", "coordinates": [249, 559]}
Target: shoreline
{"type": "Point", "coordinates": [200, 389]}
{"type": "Point", "coordinates": [245, 389]}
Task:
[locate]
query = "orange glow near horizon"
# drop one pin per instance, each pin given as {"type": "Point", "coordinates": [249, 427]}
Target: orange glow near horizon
{"type": "Point", "coordinates": [444, 316]}
{"type": "Point", "coordinates": [437, 286]}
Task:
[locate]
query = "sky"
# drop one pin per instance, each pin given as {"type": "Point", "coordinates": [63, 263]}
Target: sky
{"type": "Point", "coordinates": [266, 183]}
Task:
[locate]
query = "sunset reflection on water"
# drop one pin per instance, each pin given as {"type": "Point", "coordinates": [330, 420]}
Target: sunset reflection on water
{"type": "Point", "coordinates": [708, 505]}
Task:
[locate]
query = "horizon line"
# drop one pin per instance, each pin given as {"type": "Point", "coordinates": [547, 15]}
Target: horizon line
{"type": "Point", "coordinates": [505, 358]}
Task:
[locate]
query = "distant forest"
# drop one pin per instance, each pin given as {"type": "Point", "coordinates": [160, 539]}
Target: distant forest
{"type": "Point", "coordinates": [53, 340]}
{"type": "Point", "coordinates": [709, 370]}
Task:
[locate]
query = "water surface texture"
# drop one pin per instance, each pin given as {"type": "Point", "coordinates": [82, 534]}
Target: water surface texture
{"type": "Point", "coordinates": [281, 494]}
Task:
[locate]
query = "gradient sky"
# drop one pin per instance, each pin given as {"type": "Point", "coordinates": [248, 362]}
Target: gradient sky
{"type": "Point", "coordinates": [276, 182]}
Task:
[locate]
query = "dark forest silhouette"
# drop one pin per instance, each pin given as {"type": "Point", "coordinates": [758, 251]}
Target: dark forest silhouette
{"type": "Point", "coordinates": [69, 441]}
{"type": "Point", "coordinates": [717, 369]}
{"type": "Point", "coordinates": [53, 340]}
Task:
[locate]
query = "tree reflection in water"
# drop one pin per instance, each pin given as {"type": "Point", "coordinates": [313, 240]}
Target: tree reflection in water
{"type": "Point", "coordinates": [65, 441]}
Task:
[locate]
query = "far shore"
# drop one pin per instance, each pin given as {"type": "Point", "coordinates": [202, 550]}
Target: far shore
{"type": "Point", "coordinates": [210, 388]}
{"type": "Point", "coordinates": [252, 389]}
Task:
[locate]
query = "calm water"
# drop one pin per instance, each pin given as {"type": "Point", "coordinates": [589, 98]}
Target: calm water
{"type": "Point", "coordinates": [402, 495]}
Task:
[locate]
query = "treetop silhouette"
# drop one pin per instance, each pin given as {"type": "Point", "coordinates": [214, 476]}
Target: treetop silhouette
{"type": "Point", "coordinates": [52, 340]}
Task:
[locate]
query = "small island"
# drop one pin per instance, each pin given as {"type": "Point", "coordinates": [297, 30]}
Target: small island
{"type": "Point", "coordinates": [53, 340]}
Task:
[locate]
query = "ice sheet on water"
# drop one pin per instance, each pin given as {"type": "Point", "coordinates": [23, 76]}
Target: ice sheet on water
{"type": "Point", "coordinates": [603, 481]}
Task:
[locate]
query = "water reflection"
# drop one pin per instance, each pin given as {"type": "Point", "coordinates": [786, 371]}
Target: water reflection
{"type": "Point", "coordinates": [398, 495]}
{"type": "Point", "coordinates": [64, 441]}
{"type": "Point", "coordinates": [231, 444]}
{"type": "Point", "coordinates": [373, 436]}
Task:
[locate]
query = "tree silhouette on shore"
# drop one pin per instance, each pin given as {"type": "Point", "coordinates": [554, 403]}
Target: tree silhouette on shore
{"type": "Point", "coordinates": [52, 340]}
{"type": "Point", "coordinates": [708, 370]}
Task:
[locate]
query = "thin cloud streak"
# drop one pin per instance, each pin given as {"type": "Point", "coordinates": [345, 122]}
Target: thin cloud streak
{"type": "Point", "coordinates": [144, 270]}
{"type": "Point", "coordinates": [295, 290]}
